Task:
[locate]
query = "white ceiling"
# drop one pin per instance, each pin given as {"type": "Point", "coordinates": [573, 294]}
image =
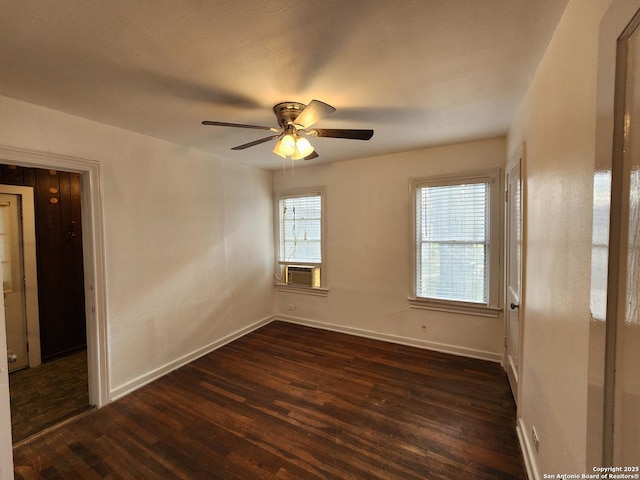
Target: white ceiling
{"type": "Point", "coordinates": [418, 72]}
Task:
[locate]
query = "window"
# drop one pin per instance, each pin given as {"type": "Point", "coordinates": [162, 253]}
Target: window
{"type": "Point", "coordinates": [300, 239]}
{"type": "Point", "coordinates": [457, 242]}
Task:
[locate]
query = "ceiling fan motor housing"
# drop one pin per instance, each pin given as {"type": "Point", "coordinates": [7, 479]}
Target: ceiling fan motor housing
{"type": "Point", "coordinates": [287, 112]}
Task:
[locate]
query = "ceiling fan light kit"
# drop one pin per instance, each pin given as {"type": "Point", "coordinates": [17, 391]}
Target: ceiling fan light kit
{"type": "Point", "coordinates": [303, 149]}
{"type": "Point", "coordinates": [285, 146]}
{"type": "Point", "coordinates": [295, 119]}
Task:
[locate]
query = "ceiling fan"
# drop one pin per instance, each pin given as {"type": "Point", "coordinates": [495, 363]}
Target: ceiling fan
{"type": "Point", "coordinates": [295, 120]}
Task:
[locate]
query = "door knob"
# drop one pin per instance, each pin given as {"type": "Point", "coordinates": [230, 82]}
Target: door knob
{"type": "Point", "coordinates": [514, 306]}
{"type": "Point", "coordinates": [12, 358]}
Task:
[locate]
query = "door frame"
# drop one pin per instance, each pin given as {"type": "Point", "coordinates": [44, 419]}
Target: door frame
{"type": "Point", "coordinates": [94, 279]}
{"type": "Point", "coordinates": [608, 162]}
{"type": "Point", "coordinates": [93, 256]}
{"type": "Point", "coordinates": [518, 159]}
{"type": "Point", "coordinates": [30, 268]}
{"type": "Point", "coordinates": [616, 291]}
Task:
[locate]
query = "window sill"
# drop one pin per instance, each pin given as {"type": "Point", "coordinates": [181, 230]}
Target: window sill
{"type": "Point", "coordinates": [316, 291]}
{"type": "Point", "coordinates": [454, 307]}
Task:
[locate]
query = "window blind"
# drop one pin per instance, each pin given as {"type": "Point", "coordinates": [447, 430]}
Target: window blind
{"type": "Point", "coordinates": [300, 230]}
{"type": "Point", "coordinates": [453, 242]}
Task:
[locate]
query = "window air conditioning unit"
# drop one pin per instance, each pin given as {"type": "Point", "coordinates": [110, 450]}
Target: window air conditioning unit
{"type": "Point", "coordinates": [300, 275]}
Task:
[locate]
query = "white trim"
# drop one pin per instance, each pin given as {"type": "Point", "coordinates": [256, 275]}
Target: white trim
{"type": "Point", "coordinates": [465, 308]}
{"type": "Point", "coordinates": [492, 176]}
{"type": "Point", "coordinates": [527, 451]}
{"type": "Point", "coordinates": [385, 337]}
{"type": "Point", "coordinates": [300, 192]}
{"type": "Point", "coordinates": [316, 191]}
{"type": "Point", "coordinates": [316, 291]}
{"type": "Point", "coordinates": [516, 161]}
{"type": "Point", "coordinates": [155, 374]}
{"type": "Point", "coordinates": [149, 377]}
{"type": "Point", "coordinates": [94, 259]}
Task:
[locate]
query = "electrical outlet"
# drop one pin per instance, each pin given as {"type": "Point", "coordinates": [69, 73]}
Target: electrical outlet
{"type": "Point", "coordinates": [291, 307]}
{"type": "Point", "coordinates": [536, 440]}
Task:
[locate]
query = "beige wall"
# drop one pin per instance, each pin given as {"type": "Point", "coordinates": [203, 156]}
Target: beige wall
{"type": "Point", "coordinates": [557, 120]}
{"type": "Point", "coordinates": [187, 239]}
{"type": "Point", "coordinates": [368, 250]}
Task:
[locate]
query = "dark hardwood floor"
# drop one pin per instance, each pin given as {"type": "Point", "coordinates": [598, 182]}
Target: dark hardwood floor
{"type": "Point", "coordinates": [292, 402]}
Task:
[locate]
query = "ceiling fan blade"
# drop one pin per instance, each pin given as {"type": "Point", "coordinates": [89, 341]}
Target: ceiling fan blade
{"type": "Point", "coordinates": [312, 155]}
{"type": "Point", "coordinates": [255, 142]}
{"type": "Point", "coordinates": [239, 125]}
{"type": "Point", "coordinates": [342, 133]}
{"type": "Point", "coordinates": [313, 112]}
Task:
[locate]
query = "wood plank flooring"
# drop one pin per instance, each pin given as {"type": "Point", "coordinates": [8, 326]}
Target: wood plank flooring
{"type": "Point", "coordinates": [48, 394]}
{"type": "Point", "coordinates": [292, 402]}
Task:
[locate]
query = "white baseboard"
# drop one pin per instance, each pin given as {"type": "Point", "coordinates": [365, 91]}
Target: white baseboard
{"type": "Point", "coordinates": [149, 377]}
{"type": "Point", "coordinates": [411, 342]}
{"type": "Point", "coordinates": [528, 451]}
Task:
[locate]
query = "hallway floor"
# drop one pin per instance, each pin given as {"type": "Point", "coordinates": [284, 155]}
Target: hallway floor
{"type": "Point", "coordinates": [48, 394]}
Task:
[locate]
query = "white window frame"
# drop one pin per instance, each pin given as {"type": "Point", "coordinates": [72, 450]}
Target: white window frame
{"type": "Point", "coordinates": [491, 309]}
{"type": "Point", "coordinates": [321, 290]}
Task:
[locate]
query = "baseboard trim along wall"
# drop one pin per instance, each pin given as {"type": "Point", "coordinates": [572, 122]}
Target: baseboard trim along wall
{"type": "Point", "coordinates": [411, 342]}
{"type": "Point", "coordinates": [527, 451]}
{"type": "Point", "coordinates": [149, 377]}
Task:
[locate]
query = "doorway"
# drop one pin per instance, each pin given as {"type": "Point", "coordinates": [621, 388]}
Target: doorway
{"type": "Point", "coordinates": [94, 281]}
{"type": "Point", "coordinates": [42, 395]}
{"type": "Point", "coordinates": [59, 255]}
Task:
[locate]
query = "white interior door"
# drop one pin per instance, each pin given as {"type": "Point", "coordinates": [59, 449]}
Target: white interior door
{"type": "Point", "coordinates": [13, 280]}
{"type": "Point", "coordinates": [513, 272]}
